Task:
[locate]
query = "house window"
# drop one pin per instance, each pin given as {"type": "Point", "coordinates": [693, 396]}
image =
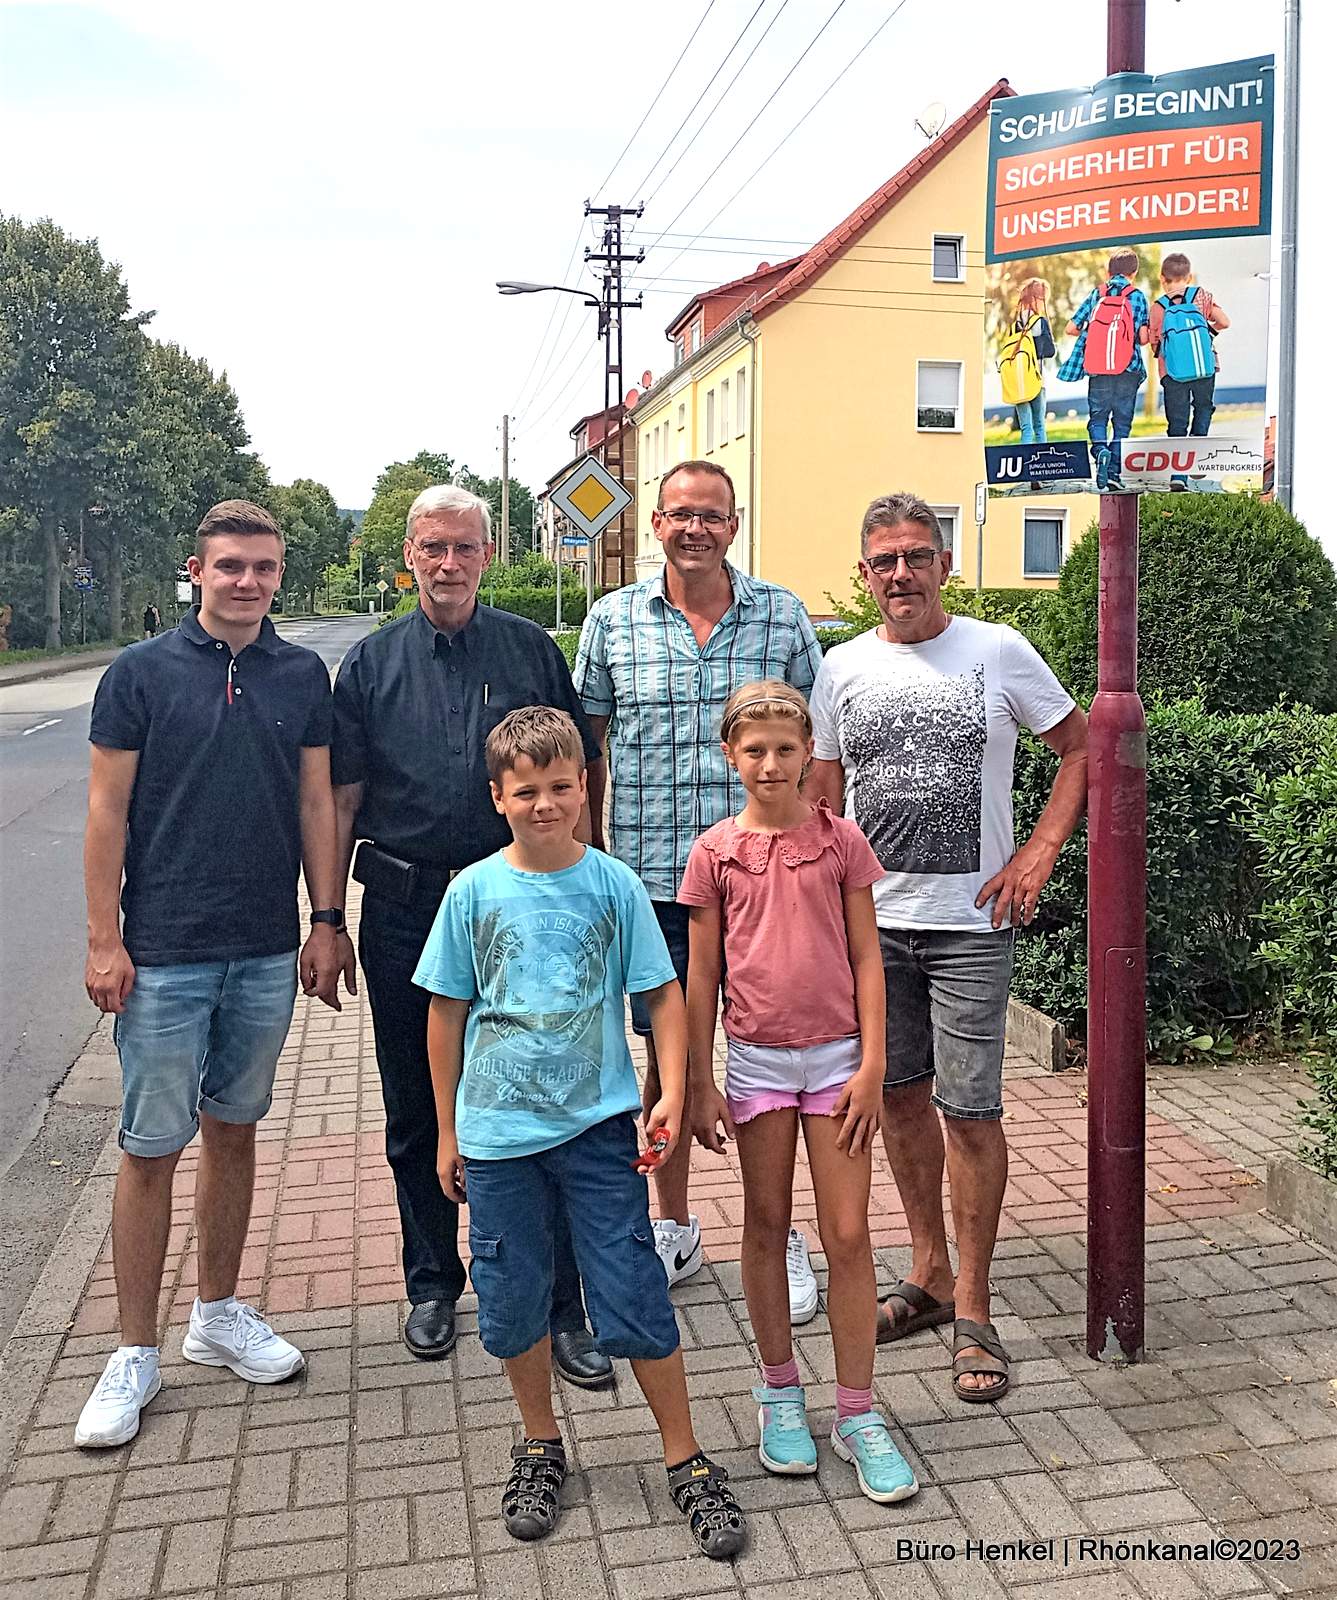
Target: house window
{"type": "Point", "coordinates": [740, 388]}
{"type": "Point", "coordinates": [652, 454]}
{"type": "Point", "coordinates": [679, 350]}
{"type": "Point", "coordinates": [696, 334]}
{"type": "Point", "coordinates": [710, 422]}
{"type": "Point", "coordinates": [682, 416]}
{"type": "Point", "coordinates": [949, 520]}
{"type": "Point", "coordinates": [1042, 544]}
{"type": "Point", "coordinates": [724, 412]}
{"type": "Point", "coordinates": [938, 397]}
{"type": "Point", "coordinates": [949, 258]}
{"type": "Point", "coordinates": [664, 449]}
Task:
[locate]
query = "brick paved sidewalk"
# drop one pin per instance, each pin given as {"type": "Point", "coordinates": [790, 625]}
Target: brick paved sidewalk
{"type": "Point", "coordinates": [375, 1477]}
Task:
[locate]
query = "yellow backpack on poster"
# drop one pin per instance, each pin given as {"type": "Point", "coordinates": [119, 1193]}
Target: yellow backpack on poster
{"type": "Point", "coordinates": [1019, 365]}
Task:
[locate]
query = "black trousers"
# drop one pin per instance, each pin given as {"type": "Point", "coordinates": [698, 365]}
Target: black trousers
{"type": "Point", "coordinates": [390, 942]}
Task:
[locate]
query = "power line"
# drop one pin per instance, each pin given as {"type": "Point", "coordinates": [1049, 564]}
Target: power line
{"type": "Point", "coordinates": [723, 96]}
{"type": "Point", "coordinates": [710, 6]}
{"type": "Point", "coordinates": [839, 7]}
{"type": "Point", "coordinates": [555, 367]}
{"type": "Point", "coordinates": [639, 188]}
{"type": "Point", "coordinates": [528, 397]}
{"type": "Point", "coordinates": [891, 15]}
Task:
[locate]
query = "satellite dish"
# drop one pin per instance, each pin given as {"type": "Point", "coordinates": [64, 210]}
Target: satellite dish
{"type": "Point", "coordinates": [931, 119]}
{"type": "Point", "coordinates": [646, 379]}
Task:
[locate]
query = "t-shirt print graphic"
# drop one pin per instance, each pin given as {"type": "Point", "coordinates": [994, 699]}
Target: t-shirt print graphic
{"type": "Point", "coordinates": [539, 1044]}
{"type": "Point", "coordinates": [917, 748]}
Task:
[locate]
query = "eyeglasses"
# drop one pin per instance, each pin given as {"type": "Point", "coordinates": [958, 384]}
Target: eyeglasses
{"type": "Point", "coordinates": [707, 519]}
{"type": "Point", "coordinates": [438, 550]}
{"type": "Point", "coordinates": [920, 558]}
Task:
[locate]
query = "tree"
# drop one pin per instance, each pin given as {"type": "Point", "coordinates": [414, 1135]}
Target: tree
{"type": "Point", "coordinates": [71, 353]}
{"type": "Point", "coordinates": [398, 486]}
{"type": "Point", "coordinates": [315, 535]}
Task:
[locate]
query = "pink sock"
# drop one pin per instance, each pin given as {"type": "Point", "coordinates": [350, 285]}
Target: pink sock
{"type": "Point", "coordinates": [784, 1376]}
{"type": "Point", "coordinates": [852, 1402]}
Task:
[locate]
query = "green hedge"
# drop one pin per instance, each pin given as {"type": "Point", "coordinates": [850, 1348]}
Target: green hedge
{"type": "Point", "coordinates": [1221, 793]}
{"type": "Point", "coordinates": [539, 605]}
{"type": "Point", "coordinates": [1237, 605]}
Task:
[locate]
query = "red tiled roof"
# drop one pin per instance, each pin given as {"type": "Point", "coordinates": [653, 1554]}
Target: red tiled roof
{"type": "Point", "coordinates": [748, 278]}
{"type": "Point", "coordinates": [859, 221]}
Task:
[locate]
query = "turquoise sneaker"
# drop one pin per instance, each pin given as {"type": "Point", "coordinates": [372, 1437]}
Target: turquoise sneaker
{"type": "Point", "coordinates": [884, 1473]}
{"type": "Point", "coordinates": [786, 1440]}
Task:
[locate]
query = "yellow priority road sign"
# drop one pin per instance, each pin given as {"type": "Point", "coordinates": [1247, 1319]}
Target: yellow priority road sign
{"type": "Point", "coordinates": [591, 497]}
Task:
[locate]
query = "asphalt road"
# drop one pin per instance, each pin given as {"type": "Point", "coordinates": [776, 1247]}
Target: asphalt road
{"type": "Point", "coordinates": [45, 1016]}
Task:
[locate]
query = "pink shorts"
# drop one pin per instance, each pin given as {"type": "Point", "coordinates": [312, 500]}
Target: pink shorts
{"type": "Point", "coordinates": [809, 1078]}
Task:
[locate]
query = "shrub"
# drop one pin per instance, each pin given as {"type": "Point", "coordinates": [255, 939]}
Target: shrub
{"type": "Point", "coordinates": [1319, 1116]}
{"type": "Point", "coordinates": [1207, 973]}
{"type": "Point", "coordinates": [539, 605]}
{"type": "Point", "coordinates": [1295, 830]}
{"type": "Point", "coordinates": [1237, 605]}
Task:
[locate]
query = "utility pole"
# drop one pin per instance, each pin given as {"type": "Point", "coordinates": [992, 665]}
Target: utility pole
{"type": "Point", "coordinates": [1117, 905]}
{"type": "Point", "coordinates": [611, 308]}
{"type": "Point", "coordinates": [1284, 473]}
{"type": "Point", "coordinates": [505, 548]}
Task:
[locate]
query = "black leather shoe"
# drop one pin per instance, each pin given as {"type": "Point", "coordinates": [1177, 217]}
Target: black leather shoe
{"type": "Point", "coordinates": [430, 1330]}
{"type": "Point", "coordinates": [576, 1359]}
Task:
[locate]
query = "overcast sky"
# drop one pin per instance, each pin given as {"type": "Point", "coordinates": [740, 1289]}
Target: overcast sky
{"type": "Point", "coordinates": [318, 199]}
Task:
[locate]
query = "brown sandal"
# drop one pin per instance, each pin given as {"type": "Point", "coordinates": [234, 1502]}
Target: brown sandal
{"type": "Point", "coordinates": [984, 1335]}
{"type": "Point", "coordinates": [921, 1311]}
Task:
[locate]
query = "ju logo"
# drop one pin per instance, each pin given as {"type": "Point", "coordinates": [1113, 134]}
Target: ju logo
{"type": "Point", "coordinates": [1018, 466]}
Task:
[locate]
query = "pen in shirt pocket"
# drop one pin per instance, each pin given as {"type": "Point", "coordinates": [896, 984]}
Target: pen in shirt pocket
{"type": "Point", "coordinates": [485, 693]}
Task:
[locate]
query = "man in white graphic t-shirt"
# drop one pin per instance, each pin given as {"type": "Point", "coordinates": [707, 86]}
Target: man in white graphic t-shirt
{"type": "Point", "coordinates": [915, 733]}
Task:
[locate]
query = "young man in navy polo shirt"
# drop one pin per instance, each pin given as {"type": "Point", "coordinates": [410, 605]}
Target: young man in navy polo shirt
{"type": "Point", "coordinates": [209, 785]}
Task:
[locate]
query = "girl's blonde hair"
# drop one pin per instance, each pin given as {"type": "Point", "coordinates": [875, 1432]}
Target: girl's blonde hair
{"type": "Point", "coordinates": [755, 702]}
{"type": "Point", "coordinates": [1034, 293]}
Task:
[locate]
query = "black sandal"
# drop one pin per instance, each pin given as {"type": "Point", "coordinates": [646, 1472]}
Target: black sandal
{"type": "Point", "coordinates": [995, 1364]}
{"type": "Point", "coordinates": [701, 1492]}
{"type": "Point", "coordinates": [529, 1502]}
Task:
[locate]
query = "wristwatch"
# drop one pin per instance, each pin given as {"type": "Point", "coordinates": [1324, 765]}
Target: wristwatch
{"type": "Point", "coordinates": [335, 918]}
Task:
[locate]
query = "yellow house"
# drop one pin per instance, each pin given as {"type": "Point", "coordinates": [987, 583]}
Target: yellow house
{"type": "Point", "coordinates": [853, 370]}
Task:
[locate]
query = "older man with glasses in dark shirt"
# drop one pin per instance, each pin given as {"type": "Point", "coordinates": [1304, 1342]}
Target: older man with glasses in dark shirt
{"type": "Point", "coordinates": [413, 706]}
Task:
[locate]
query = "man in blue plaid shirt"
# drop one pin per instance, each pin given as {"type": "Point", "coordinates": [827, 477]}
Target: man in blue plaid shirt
{"type": "Point", "coordinates": [1111, 397]}
{"type": "Point", "coordinates": [657, 662]}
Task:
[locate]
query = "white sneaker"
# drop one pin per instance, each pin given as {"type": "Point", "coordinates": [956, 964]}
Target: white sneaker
{"type": "Point", "coordinates": [802, 1279]}
{"type": "Point", "coordinates": [111, 1413]}
{"type": "Point", "coordinates": [241, 1339]}
{"type": "Point", "coordinates": [678, 1246]}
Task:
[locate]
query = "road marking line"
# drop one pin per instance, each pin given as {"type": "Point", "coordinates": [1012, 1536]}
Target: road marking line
{"type": "Point", "coordinates": [37, 727]}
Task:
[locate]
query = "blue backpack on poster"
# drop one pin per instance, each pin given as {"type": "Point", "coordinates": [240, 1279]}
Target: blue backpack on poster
{"type": "Point", "coordinates": [1186, 338]}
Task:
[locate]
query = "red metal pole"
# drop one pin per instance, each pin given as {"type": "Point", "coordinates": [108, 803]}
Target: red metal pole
{"type": "Point", "coordinates": [1117, 899]}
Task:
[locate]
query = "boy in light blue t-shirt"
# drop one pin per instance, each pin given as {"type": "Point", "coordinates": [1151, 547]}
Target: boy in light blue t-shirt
{"type": "Point", "coordinates": [529, 961]}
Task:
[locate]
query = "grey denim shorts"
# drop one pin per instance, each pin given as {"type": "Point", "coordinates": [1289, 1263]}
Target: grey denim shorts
{"type": "Point", "coordinates": [947, 1015]}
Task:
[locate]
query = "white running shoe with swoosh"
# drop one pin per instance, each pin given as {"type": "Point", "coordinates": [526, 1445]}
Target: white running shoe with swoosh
{"type": "Point", "coordinates": [678, 1246]}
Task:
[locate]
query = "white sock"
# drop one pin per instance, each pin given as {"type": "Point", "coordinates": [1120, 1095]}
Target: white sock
{"type": "Point", "coordinates": [141, 1350]}
{"type": "Point", "coordinates": [216, 1308]}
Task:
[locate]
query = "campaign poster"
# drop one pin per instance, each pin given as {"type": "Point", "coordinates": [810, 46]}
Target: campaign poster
{"type": "Point", "coordinates": [1127, 267]}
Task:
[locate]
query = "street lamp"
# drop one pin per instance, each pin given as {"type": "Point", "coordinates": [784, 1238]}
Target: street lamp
{"type": "Point", "coordinates": [522, 286]}
{"type": "Point", "coordinates": [517, 286]}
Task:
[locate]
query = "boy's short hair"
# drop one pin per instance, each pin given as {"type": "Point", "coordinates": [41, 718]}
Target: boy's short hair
{"type": "Point", "coordinates": [1123, 263]}
{"type": "Point", "coordinates": [757, 702]}
{"type": "Point", "coordinates": [235, 516]}
{"type": "Point", "coordinates": [713, 468]}
{"type": "Point", "coordinates": [543, 733]}
{"type": "Point", "coordinates": [1176, 268]}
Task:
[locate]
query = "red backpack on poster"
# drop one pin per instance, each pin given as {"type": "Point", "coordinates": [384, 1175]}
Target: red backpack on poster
{"type": "Point", "coordinates": [1110, 336]}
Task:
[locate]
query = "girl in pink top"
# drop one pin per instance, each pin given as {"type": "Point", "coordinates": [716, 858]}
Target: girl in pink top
{"type": "Point", "coordinates": [782, 906]}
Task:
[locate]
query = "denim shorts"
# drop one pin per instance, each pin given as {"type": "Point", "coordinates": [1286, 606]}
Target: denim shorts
{"type": "Point", "coordinates": [201, 1036]}
{"type": "Point", "coordinates": [512, 1204]}
{"type": "Point", "coordinates": [768, 1077]}
{"type": "Point", "coordinates": [674, 921]}
{"type": "Point", "coordinates": [947, 1015]}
